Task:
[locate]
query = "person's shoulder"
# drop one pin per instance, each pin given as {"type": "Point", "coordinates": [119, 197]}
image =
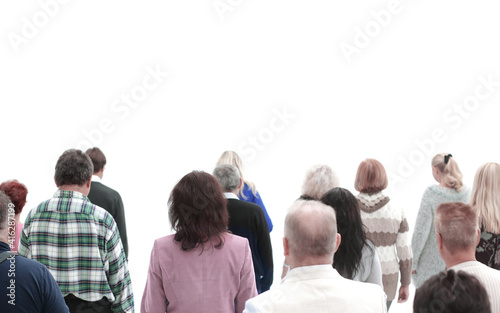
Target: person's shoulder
{"type": "Point", "coordinates": [100, 187]}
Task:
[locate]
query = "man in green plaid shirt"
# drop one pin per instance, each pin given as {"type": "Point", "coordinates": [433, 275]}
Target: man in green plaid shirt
{"type": "Point", "coordinates": [79, 242]}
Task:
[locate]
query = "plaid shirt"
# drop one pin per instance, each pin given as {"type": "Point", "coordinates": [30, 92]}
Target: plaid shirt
{"type": "Point", "coordinates": [80, 245]}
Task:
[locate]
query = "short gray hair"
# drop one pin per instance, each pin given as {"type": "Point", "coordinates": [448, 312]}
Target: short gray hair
{"type": "Point", "coordinates": [228, 176]}
{"type": "Point", "coordinates": [319, 179]}
{"type": "Point", "coordinates": [5, 203]}
{"type": "Point", "coordinates": [311, 229]}
{"type": "Point", "coordinates": [73, 168]}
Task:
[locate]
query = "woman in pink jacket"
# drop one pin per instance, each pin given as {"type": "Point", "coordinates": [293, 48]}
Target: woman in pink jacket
{"type": "Point", "coordinates": [201, 268]}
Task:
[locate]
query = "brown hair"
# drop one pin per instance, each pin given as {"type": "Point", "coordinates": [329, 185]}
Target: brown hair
{"type": "Point", "coordinates": [456, 222]}
{"type": "Point", "coordinates": [198, 211]}
{"type": "Point", "coordinates": [98, 158]}
{"type": "Point", "coordinates": [371, 176]}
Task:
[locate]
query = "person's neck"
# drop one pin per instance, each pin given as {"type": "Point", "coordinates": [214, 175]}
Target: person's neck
{"type": "Point", "coordinates": [310, 262]}
{"type": "Point", "coordinates": [77, 188]}
{"type": "Point", "coordinates": [99, 174]}
{"type": "Point", "coordinates": [459, 257]}
{"type": "Point", "coordinates": [18, 217]}
{"type": "Point", "coordinates": [4, 237]}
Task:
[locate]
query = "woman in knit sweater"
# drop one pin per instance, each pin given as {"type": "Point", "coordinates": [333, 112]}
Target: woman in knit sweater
{"type": "Point", "coordinates": [387, 228]}
{"type": "Point", "coordinates": [426, 259]}
{"type": "Point", "coordinates": [485, 198]}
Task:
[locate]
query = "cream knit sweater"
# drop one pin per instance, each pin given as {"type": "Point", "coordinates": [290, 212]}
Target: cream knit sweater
{"type": "Point", "coordinates": [387, 228]}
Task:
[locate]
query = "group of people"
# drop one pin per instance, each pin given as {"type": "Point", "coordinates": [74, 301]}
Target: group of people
{"type": "Point", "coordinates": [342, 252]}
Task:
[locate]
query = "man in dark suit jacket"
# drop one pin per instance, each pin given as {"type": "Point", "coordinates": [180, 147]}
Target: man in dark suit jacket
{"type": "Point", "coordinates": [105, 197]}
{"type": "Point", "coordinates": [248, 220]}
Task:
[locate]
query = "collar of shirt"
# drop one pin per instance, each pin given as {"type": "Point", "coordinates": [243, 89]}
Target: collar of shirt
{"type": "Point", "coordinates": [96, 178]}
{"type": "Point", "coordinates": [230, 195]}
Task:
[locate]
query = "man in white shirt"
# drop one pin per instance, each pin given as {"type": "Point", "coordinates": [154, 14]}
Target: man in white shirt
{"type": "Point", "coordinates": [458, 234]}
{"type": "Point", "coordinates": [312, 285]}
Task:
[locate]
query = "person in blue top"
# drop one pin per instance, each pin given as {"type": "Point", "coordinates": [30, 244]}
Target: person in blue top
{"type": "Point", "coordinates": [249, 192]}
{"type": "Point", "coordinates": [27, 286]}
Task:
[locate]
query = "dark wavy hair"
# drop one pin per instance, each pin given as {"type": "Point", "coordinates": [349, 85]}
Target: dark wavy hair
{"type": "Point", "coordinates": [452, 292]}
{"type": "Point", "coordinates": [73, 168]}
{"type": "Point", "coordinates": [351, 229]}
{"type": "Point", "coordinates": [198, 211]}
{"type": "Point", "coordinates": [16, 192]}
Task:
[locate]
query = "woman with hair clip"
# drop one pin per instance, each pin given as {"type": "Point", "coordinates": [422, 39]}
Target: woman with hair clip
{"type": "Point", "coordinates": [485, 198]}
{"type": "Point", "coordinates": [356, 257]}
{"type": "Point", "coordinates": [426, 259]}
{"type": "Point", "coordinates": [248, 192]}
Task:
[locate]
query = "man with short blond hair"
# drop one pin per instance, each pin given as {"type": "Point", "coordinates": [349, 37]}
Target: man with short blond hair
{"type": "Point", "coordinates": [458, 234]}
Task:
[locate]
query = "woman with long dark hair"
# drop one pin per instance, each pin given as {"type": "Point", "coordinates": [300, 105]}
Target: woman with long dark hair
{"type": "Point", "coordinates": [201, 268]}
{"type": "Point", "coordinates": [356, 257]}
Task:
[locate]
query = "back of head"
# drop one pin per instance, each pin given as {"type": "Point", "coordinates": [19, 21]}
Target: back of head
{"type": "Point", "coordinates": [446, 164]}
{"type": "Point", "coordinates": [371, 177]}
{"type": "Point", "coordinates": [485, 196]}
{"type": "Point", "coordinates": [452, 292]}
{"type": "Point", "coordinates": [198, 211]}
{"type": "Point", "coordinates": [350, 228]}
{"type": "Point", "coordinates": [73, 168]}
{"type": "Point", "coordinates": [456, 222]}
{"type": "Point", "coordinates": [5, 204]}
{"type": "Point", "coordinates": [16, 192]}
{"type": "Point", "coordinates": [319, 179]}
{"type": "Point", "coordinates": [311, 230]}
{"type": "Point", "coordinates": [98, 158]}
{"type": "Point", "coordinates": [228, 177]}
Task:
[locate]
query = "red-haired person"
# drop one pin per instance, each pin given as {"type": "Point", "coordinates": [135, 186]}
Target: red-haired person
{"type": "Point", "coordinates": [17, 193]}
{"type": "Point", "coordinates": [387, 228]}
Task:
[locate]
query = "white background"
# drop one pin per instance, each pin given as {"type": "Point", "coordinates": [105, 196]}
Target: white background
{"type": "Point", "coordinates": [270, 70]}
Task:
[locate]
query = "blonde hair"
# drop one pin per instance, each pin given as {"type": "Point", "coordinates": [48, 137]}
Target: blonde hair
{"type": "Point", "coordinates": [232, 158]}
{"type": "Point", "coordinates": [319, 179]}
{"type": "Point", "coordinates": [452, 176]}
{"type": "Point", "coordinates": [485, 196]}
{"type": "Point", "coordinates": [371, 176]}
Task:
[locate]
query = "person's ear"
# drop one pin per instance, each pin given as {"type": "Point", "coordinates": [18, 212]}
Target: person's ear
{"type": "Point", "coordinates": [478, 236]}
{"type": "Point", "coordinates": [339, 239]}
{"type": "Point", "coordinates": [439, 241]}
{"type": "Point", "coordinates": [241, 184]}
{"type": "Point", "coordinates": [88, 183]}
{"type": "Point", "coordinates": [286, 247]}
{"type": "Point", "coordinates": [56, 182]}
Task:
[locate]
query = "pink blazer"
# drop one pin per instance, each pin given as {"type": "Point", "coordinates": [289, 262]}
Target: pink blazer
{"type": "Point", "coordinates": [217, 280]}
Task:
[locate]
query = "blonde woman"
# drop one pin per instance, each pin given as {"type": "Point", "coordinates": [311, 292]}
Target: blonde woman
{"type": "Point", "coordinates": [485, 197]}
{"type": "Point", "coordinates": [426, 259]}
{"type": "Point", "coordinates": [386, 227]}
{"type": "Point", "coordinates": [248, 192]}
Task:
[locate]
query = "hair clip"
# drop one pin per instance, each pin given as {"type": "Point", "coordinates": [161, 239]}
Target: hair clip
{"type": "Point", "coordinates": [447, 158]}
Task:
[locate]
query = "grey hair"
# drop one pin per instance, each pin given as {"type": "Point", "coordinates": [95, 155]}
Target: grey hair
{"type": "Point", "coordinates": [319, 179]}
{"type": "Point", "coordinates": [311, 229]}
{"type": "Point", "coordinates": [73, 168]}
{"type": "Point", "coordinates": [4, 209]}
{"type": "Point", "coordinates": [228, 176]}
